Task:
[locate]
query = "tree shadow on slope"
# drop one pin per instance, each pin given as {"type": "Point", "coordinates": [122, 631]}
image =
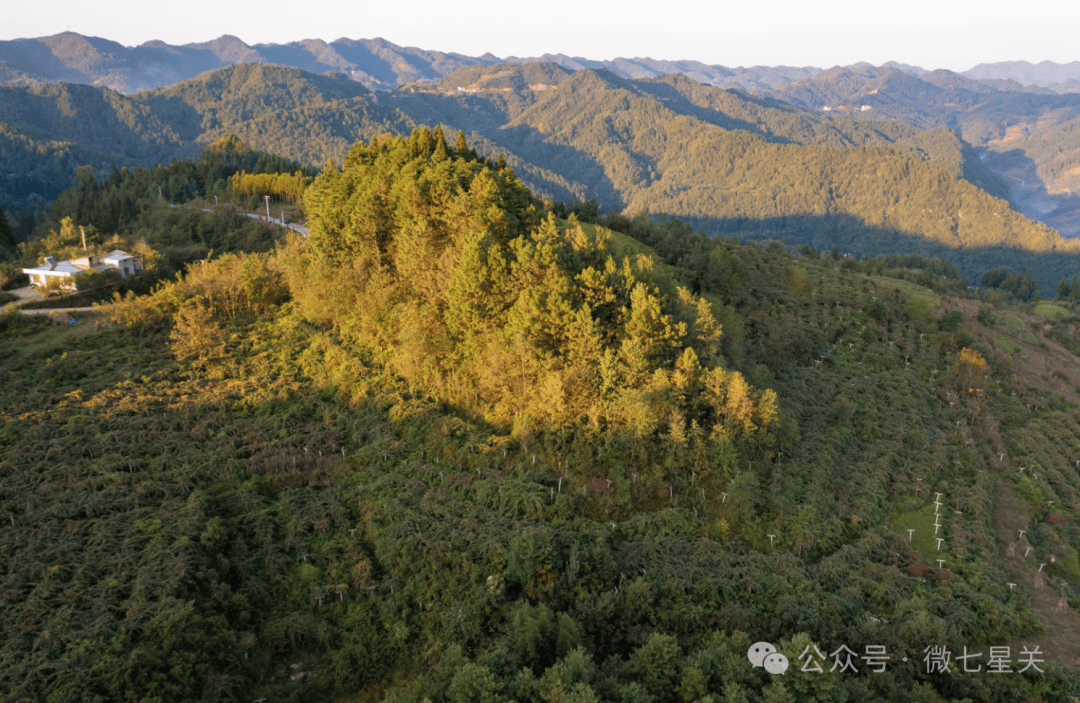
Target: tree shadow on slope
{"type": "Point", "coordinates": [852, 237]}
{"type": "Point", "coordinates": [678, 102]}
{"type": "Point", "coordinates": [567, 161]}
{"type": "Point", "coordinates": [1028, 192]}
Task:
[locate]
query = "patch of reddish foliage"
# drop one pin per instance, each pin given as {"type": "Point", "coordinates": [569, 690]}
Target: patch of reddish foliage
{"type": "Point", "coordinates": [917, 568]}
{"type": "Point", "coordinates": [598, 485]}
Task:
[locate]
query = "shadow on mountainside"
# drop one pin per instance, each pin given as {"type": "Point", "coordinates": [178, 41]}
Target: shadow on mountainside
{"type": "Point", "coordinates": [570, 162]}
{"type": "Point", "coordinates": [851, 236]}
{"type": "Point", "coordinates": [673, 99]}
{"type": "Point", "coordinates": [529, 144]}
{"type": "Point", "coordinates": [1029, 194]}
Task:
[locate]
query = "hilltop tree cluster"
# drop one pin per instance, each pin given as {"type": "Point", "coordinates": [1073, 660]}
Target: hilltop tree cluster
{"type": "Point", "coordinates": [442, 265]}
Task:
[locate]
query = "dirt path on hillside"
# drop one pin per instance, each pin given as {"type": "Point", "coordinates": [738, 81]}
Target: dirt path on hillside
{"type": "Point", "coordinates": [24, 294]}
{"type": "Point", "coordinates": [46, 311]}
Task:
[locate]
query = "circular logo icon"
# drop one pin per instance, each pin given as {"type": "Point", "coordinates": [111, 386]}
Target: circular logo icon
{"type": "Point", "coordinates": [776, 663]}
{"type": "Point", "coordinates": [758, 651]}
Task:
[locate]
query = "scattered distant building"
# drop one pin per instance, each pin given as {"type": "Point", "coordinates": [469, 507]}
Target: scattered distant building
{"type": "Point", "coordinates": [830, 108]}
{"type": "Point", "coordinates": [65, 271]}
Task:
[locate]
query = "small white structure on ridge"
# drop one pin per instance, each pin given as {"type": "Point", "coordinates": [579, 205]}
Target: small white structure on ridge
{"type": "Point", "coordinates": [65, 271]}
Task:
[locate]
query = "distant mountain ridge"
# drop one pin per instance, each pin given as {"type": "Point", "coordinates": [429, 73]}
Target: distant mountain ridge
{"type": "Point", "coordinates": [1044, 74]}
{"type": "Point", "coordinates": [73, 58]}
{"type": "Point", "coordinates": [382, 65]}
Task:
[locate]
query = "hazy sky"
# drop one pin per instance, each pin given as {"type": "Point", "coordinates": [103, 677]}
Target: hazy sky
{"type": "Point", "coordinates": [927, 33]}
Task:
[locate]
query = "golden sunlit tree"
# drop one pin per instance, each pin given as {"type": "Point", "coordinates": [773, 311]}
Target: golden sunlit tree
{"type": "Point", "coordinates": [971, 371]}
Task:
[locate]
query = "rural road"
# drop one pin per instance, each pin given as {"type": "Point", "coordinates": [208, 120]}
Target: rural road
{"type": "Point", "coordinates": [47, 311]}
{"type": "Point", "coordinates": [255, 216]}
{"type": "Point", "coordinates": [29, 293]}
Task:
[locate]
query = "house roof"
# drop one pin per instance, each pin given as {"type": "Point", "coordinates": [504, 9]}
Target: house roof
{"type": "Point", "coordinates": [60, 268]}
{"type": "Point", "coordinates": [77, 266]}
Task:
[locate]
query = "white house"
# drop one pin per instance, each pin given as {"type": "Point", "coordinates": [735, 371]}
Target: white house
{"type": "Point", "coordinates": [65, 271]}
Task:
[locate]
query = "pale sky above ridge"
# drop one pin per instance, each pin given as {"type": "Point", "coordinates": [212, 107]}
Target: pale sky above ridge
{"type": "Point", "coordinates": [927, 33]}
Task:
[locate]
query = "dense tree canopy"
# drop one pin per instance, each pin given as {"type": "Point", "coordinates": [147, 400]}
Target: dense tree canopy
{"type": "Point", "coordinates": [441, 264]}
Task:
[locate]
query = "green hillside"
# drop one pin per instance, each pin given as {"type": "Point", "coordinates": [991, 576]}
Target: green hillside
{"type": "Point", "coordinates": [38, 167]}
{"type": "Point", "coordinates": [801, 178]}
{"type": "Point", "coordinates": [863, 201]}
{"type": "Point", "coordinates": [1026, 135]}
{"type": "Point", "coordinates": [454, 449]}
{"type": "Point", "coordinates": [271, 108]}
{"type": "Point", "coordinates": [94, 117]}
{"type": "Point", "coordinates": [505, 86]}
{"type": "Point", "coordinates": [1055, 149]}
{"type": "Point", "coordinates": [780, 122]}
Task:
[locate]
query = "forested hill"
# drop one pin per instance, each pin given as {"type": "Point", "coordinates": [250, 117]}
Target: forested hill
{"type": "Point", "coordinates": [756, 168]}
{"type": "Point", "coordinates": [728, 109]}
{"type": "Point", "coordinates": [245, 93]}
{"type": "Point", "coordinates": [452, 449]}
{"type": "Point", "coordinates": [47, 132]}
{"type": "Point", "coordinates": [1028, 136]}
{"type": "Point", "coordinates": [671, 146]}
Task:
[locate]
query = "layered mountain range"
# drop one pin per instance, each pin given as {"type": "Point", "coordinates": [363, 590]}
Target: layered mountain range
{"type": "Point", "coordinates": [864, 159]}
{"type": "Point", "coordinates": [382, 65]}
